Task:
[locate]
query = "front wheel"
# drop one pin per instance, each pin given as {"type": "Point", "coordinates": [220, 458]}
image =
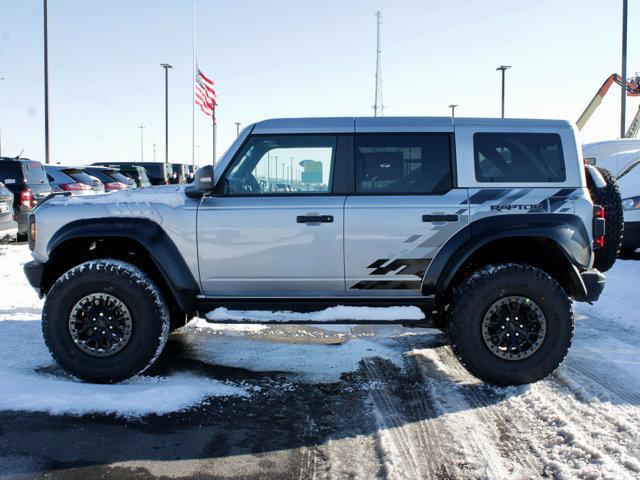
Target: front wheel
{"type": "Point", "coordinates": [510, 324]}
{"type": "Point", "coordinates": [105, 321]}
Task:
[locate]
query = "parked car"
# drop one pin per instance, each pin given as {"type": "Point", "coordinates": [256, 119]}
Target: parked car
{"type": "Point", "coordinates": [111, 178]}
{"type": "Point", "coordinates": [134, 172]}
{"type": "Point", "coordinates": [72, 179]}
{"type": "Point", "coordinates": [158, 173]}
{"type": "Point", "coordinates": [622, 158]}
{"type": "Point", "coordinates": [27, 180]}
{"type": "Point", "coordinates": [487, 224]}
{"type": "Point", "coordinates": [8, 224]}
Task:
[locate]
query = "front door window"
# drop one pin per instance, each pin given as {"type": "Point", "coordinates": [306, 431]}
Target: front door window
{"type": "Point", "coordinates": [283, 164]}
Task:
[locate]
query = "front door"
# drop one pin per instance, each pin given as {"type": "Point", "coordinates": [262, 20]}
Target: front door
{"type": "Point", "coordinates": [404, 209]}
{"type": "Point", "coordinates": [276, 227]}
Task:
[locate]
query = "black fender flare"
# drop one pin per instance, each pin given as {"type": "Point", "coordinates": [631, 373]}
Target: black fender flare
{"type": "Point", "coordinates": [163, 252]}
{"type": "Point", "coordinates": [567, 231]}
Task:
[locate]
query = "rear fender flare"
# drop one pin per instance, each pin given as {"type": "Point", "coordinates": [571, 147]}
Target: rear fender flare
{"type": "Point", "coordinates": [567, 231]}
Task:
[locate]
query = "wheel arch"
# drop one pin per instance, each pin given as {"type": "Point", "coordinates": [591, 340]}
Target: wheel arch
{"type": "Point", "coordinates": [141, 242]}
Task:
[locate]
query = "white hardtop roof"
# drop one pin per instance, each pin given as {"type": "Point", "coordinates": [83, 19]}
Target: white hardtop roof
{"type": "Point", "coordinates": [351, 124]}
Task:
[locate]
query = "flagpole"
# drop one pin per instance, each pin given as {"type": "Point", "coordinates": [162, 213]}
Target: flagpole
{"type": "Point", "coordinates": [193, 90]}
{"type": "Point", "coordinates": [213, 121]}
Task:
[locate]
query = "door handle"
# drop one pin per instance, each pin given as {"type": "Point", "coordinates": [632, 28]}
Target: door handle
{"type": "Point", "coordinates": [440, 218]}
{"type": "Point", "coordinates": [314, 218]}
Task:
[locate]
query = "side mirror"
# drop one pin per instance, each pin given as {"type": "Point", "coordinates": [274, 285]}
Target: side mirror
{"type": "Point", "coordinates": [202, 184]}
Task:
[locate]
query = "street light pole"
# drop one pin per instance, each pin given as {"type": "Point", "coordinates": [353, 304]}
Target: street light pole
{"type": "Point", "coordinates": [453, 110]}
{"type": "Point", "coordinates": [238, 129]}
{"type": "Point", "coordinates": [1, 78]}
{"type": "Point", "coordinates": [141, 127]}
{"type": "Point", "coordinates": [503, 68]}
{"type": "Point", "coordinates": [46, 85]}
{"type": "Point", "coordinates": [166, 67]}
{"type": "Point", "coordinates": [623, 96]}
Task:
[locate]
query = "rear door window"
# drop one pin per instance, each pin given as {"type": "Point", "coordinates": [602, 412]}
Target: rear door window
{"type": "Point", "coordinates": [518, 157]}
{"type": "Point", "coordinates": [390, 163]}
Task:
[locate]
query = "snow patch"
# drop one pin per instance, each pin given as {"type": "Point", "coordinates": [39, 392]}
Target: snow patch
{"type": "Point", "coordinates": [332, 314]}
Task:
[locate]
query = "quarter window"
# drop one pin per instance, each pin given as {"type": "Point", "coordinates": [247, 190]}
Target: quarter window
{"type": "Point", "coordinates": [403, 163]}
{"type": "Point", "coordinates": [518, 157]}
{"type": "Point", "coordinates": [283, 164]}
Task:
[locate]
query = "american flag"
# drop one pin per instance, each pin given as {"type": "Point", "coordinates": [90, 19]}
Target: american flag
{"type": "Point", "coordinates": [205, 95]}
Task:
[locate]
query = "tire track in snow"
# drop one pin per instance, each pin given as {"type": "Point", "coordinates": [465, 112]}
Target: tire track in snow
{"type": "Point", "coordinates": [550, 421]}
{"type": "Point", "coordinates": [512, 432]}
{"type": "Point", "coordinates": [396, 446]}
{"type": "Point", "coordinates": [605, 378]}
{"type": "Point", "coordinates": [471, 421]}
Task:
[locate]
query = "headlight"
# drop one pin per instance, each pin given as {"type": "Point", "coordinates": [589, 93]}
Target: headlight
{"type": "Point", "coordinates": [631, 203]}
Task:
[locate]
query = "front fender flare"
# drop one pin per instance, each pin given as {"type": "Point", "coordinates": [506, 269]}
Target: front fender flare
{"type": "Point", "coordinates": [152, 237]}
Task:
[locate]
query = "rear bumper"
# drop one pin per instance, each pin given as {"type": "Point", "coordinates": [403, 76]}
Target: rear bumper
{"type": "Point", "coordinates": [34, 272]}
{"type": "Point", "coordinates": [23, 221]}
{"type": "Point", "coordinates": [593, 281]}
{"type": "Point", "coordinates": [631, 238]}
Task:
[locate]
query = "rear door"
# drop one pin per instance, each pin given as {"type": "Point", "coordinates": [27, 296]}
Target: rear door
{"type": "Point", "coordinates": [255, 239]}
{"type": "Point", "coordinates": [405, 207]}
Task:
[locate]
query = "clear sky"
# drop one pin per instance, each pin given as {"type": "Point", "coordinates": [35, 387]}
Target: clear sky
{"type": "Point", "coordinates": [295, 58]}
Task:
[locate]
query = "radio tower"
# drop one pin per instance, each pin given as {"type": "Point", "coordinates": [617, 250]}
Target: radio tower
{"type": "Point", "coordinates": [378, 107]}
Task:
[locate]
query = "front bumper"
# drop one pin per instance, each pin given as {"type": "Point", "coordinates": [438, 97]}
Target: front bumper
{"type": "Point", "coordinates": [34, 271]}
{"type": "Point", "coordinates": [631, 238]}
{"type": "Point", "coordinates": [593, 281]}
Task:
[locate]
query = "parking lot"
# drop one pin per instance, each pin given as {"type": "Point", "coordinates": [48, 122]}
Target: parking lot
{"type": "Point", "coordinates": [284, 401]}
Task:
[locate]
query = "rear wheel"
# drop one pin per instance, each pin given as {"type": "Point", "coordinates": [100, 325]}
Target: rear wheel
{"type": "Point", "coordinates": [510, 324]}
{"type": "Point", "coordinates": [105, 321]}
{"type": "Point", "coordinates": [609, 198]}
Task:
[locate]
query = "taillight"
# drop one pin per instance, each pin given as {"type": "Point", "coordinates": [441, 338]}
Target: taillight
{"type": "Point", "coordinates": [115, 186]}
{"type": "Point", "coordinates": [598, 226]}
{"type": "Point", "coordinates": [26, 198]}
{"type": "Point", "coordinates": [74, 187]}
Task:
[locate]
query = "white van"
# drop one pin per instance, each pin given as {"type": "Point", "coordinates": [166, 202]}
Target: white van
{"type": "Point", "coordinates": [622, 157]}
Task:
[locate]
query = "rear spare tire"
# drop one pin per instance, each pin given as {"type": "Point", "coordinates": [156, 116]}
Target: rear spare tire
{"type": "Point", "coordinates": [105, 321]}
{"type": "Point", "coordinates": [609, 198]}
{"type": "Point", "coordinates": [510, 324]}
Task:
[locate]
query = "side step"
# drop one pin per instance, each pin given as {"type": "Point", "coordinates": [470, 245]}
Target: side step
{"type": "Point", "coordinates": [308, 304]}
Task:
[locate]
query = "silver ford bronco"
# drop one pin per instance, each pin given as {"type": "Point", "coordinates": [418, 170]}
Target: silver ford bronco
{"type": "Point", "coordinates": [491, 227]}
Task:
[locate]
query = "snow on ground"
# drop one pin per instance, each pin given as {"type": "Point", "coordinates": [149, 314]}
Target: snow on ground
{"type": "Point", "coordinates": [619, 304]}
{"type": "Point", "coordinates": [432, 419]}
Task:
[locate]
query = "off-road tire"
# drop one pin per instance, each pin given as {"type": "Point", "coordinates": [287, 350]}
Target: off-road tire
{"type": "Point", "coordinates": [473, 298]}
{"type": "Point", "coordinates": [149, 315]}
{"type": "Point", "coordinates": [608, 197]}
